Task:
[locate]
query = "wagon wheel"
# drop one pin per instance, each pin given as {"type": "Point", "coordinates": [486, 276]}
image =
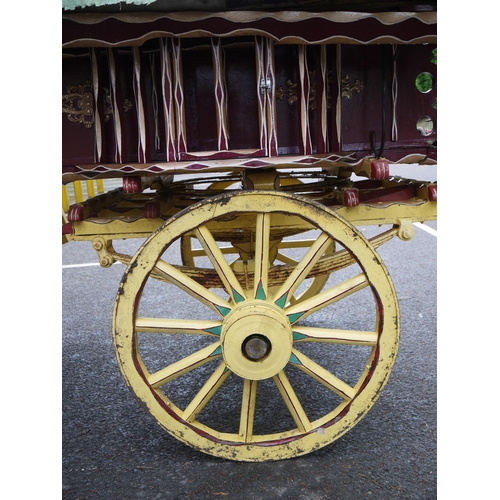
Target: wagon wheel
{"type": "Point", "coordinates": [240, 374]}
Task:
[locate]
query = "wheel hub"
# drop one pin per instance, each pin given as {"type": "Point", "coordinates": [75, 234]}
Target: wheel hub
{"type": "Point", "coordinates": [256, 340]}
{"type": "Point", "coordinates": [256, 347]}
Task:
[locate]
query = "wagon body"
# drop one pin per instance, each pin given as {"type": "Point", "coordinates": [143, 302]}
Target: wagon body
{"type": "Point", "coordinates": [235, 131]}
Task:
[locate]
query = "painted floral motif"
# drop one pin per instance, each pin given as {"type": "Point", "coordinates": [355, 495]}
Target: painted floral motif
{"type": "Point", "coordinates": [78, 104]}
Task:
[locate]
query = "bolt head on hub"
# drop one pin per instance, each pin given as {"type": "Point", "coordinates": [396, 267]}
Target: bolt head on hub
{"type": "Point", "coordinates": [256, 347]}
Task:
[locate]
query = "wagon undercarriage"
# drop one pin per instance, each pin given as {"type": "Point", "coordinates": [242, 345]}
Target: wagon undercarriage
{"type": "Point", "coordinates": [259, 262]}
{"type": "Point", "coordinates": [286, 301]}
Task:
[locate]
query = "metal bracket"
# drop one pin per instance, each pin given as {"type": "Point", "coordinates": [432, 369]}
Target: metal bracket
{"type": "Point", "coordinates": [265, 86]}
{"type": "Point", "coordinates": [261, 179]}
{"type": "Point", "coordinates": [103, 248]}
{"type": "Point", "coordinates": [406, 231]}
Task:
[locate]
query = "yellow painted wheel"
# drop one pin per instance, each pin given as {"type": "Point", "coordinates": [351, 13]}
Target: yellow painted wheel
{"type": "Point", "coordinates": [241, 372]}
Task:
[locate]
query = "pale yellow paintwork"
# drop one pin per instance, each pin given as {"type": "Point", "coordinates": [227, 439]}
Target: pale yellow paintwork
{"type": "Point", "coordinates": [363, 215]}
{"type": "Point", "coordinates": [259, 309]}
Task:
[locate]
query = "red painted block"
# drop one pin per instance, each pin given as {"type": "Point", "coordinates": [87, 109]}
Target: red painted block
{"type": "Point", "coordinates": [432, 192]}
{"type": "Point", "coordinates": [152, 210]}
{"type": "Point", "coordinates": [75, 213]}
{"type": "Point", "coordinates": [67, 228]}
{"type": "Point", "coordinates": [379, 169]}
{"type": "Point", "coordinates": [350, 197]}
{"type": "Point", "coordinates": [132, 184]}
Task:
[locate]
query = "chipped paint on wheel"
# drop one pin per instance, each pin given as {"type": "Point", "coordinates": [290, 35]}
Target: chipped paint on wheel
{"type": "Point", "coordinates": [285, 444]}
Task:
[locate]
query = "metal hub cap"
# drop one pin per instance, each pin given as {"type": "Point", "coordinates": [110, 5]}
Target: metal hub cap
{"type": "Point", "coordinates": [249, 354]}
{"type": "Point", "coordinates": [256, 347]}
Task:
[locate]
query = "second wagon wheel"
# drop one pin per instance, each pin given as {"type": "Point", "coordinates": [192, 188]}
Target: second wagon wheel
{"type": "Point", "coordinates": [239, 371]}
{"type": "Point", "coordinates": [191, 254]}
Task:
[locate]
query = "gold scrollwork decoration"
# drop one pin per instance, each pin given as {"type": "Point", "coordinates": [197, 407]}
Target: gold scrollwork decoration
{"type": "Point", "coordinates": [291, 92]}
{"type": "Point", "coordinates": [78, 104]}
{"type": "Point", "coordinates": [108, 108]}
{"type": "Point", "coordinates": [348, 88]}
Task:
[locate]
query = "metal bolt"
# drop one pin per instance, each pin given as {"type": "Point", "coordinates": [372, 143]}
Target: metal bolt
{"type": "Point", "coordinates": [105, 261]}
{"type": "Point", "coordinates": [97, 244]}
{"type": "Point", "coordinates": [256, 347]}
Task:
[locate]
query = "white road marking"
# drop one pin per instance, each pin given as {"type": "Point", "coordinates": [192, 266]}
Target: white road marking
{"type": "Point", "coordinates": [80, 265]}
{"type": "Point", "coordinates": [67, 266]}
{"type": "Point", "coordinates": [425, 228]}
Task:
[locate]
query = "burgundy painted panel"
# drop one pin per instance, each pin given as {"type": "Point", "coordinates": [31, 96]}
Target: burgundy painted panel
{"type": "Point", "coordinates": [108, 141]}
{"type": "Point", "coordinates": [77, 138]}
{"type": "Point", "coordinates": [365, 71]}
{"type": "Point", "coordinates": [362, 111]}
{"type": "Point", "coordinates": [199, 96]}
{"type": "Point", "coordinates": [126, 99]}
{"type": "Point", "coordinates": [242, 98]}
{"type": "Point", "coordinates": [315, 114]}
{"type": "Point", "coordinates": [151, 80]}
{"type": "Point", "coordinates": [412, 104]}
{"type": "Point", "coordinates": [288, 92]}
{"type": "Point", "coordinates": [287, 111]}
{"type": "Point", "coordinates": [237, 87]}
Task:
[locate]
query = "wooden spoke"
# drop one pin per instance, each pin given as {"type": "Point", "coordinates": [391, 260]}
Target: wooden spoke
{"type": "Point", "coordinates": [323, 299]}
{"type": "Point", "coordinates": [200, 252]}
{"type": "Point", "coordinates": [296, 244]}
{"type": "Point", "coordinates": [233, 287]}
{"type": "Point", "coordinates": [332, 336]}
{"type": "Point", "coordinates": [302, 269]}
{"type": "Point", "coordinates": [285, 259]}
{"type": "Point", "coordinates": [178, 326]}
{"type": "Point", "coordinates": [206, 393]}
{"type": "Point", "coordinates": [185, 365]}
{"type": "Point", "coordinates": [291, 244]}
{"type": "Point", "coordinates": [199, 292]}
{"type": "Point", "coordinates": [323, 376]}
{"type": "Point", "coordinates": [248, 409]}
{"type": "Point", "coordinates": [261, 255]}
{"type": "Point", "coordinates": [189, 254]}
{"type": "Point", "coordinates": [292, 402]}
{"type": "Point", "coordinates": [228, 250]}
